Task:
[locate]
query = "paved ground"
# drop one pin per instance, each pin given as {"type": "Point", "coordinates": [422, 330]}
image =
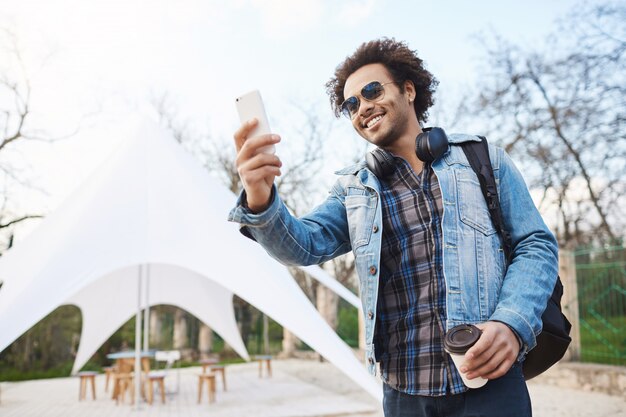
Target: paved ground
{"type": "Point", "coordinates": [298, 388]}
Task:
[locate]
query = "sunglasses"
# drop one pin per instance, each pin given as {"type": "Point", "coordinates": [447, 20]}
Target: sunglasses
{"type": "Point", "coordinates": [373, 91]}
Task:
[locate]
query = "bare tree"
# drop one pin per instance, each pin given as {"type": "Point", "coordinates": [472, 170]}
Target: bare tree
{"type": "Point", "coordinates": [15, 127]}
{"type": "Point", "coordinates": [560, 110]}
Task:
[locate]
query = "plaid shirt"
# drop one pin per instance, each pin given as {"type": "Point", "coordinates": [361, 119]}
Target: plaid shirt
{"type": "Point", "coordinates": [412, 296]}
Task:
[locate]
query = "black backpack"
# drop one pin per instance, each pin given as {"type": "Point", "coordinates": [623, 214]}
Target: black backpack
{"type": "Point", "coordinates": [554, 339]}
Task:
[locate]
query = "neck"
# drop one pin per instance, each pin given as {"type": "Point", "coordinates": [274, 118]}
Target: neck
{"type": "Point", "coordinates": [404, 147]}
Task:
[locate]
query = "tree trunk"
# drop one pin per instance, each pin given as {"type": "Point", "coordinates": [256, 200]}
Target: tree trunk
{"type": "Point", "coordinates": [243, 315]}
{"type": "Point", "coordinates": [205, 341]}
{"type": "Point", "coordinates": [180, 329]}
{"type": "Point", "coordinates": [155, 328]}
{"type": "Point", "coordinates": [46, 340]}
{"type": "Point", "coordinates": [290, 344]}
{"type": "Point", "coordinates": [266, 335]}
{"type": "Point", "coordinates": [327, 305]}
{"type": "Point", "coordinates": [26, 352]}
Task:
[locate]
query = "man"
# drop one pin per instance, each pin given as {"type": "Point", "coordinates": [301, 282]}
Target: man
{"type": "Point", "coordinates": [428, 257]}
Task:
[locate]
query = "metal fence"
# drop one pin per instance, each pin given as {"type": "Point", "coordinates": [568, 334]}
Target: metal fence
{"type": "Point", "coordinates": [601, 282]}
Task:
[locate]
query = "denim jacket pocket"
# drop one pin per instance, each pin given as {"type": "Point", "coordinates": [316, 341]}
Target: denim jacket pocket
{"type": "Point", "coordinates": [360, 212]}
{"type": "Point", "coordinates": [472, 207]}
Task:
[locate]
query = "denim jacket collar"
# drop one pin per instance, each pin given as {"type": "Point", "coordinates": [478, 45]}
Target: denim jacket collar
{"type": "Point", "coordinates": [454, 139]}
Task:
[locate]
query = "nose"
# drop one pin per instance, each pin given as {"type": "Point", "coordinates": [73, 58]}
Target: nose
{"type": "Point", "coordinates": [365, 108]}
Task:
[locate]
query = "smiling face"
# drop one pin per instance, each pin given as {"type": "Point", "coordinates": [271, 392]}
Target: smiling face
{"type": "Point", "coordinates": [388, 121]}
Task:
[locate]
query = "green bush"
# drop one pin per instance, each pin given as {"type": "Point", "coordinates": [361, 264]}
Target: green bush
{"type": "Point", "coordinates": [348, 324]}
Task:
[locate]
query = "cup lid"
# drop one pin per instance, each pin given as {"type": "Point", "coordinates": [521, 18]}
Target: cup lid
{"type": "Point", "coordinates": [460, 338]}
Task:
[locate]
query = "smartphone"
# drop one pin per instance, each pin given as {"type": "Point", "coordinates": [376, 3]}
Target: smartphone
{"type": "Point", "coordinates": [250, 106]}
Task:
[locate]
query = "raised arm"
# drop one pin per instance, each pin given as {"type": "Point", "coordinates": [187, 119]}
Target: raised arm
{"type": "Point", "coordinates": [256, 169]}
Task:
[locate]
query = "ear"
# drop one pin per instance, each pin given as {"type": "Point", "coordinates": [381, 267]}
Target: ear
{"type": "Point", "coordinates": [409, 90]}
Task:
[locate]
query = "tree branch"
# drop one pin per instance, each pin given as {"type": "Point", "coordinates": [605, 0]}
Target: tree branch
{"type": "Point", "coordinates": [15, 221]}
{"type": "Point", "coordinates": [557, 128]}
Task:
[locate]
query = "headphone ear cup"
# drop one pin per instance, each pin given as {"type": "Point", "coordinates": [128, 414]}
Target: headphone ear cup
{"type": "Point", "coordinates": [380, 163]}
{"type": "Point", "coordinates": [431, 144]}
{"type": "Point", "coordinates": [421, 147]}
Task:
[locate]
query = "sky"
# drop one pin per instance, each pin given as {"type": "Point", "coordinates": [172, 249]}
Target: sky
{"type": "Point", "coordinates": [93, 65]}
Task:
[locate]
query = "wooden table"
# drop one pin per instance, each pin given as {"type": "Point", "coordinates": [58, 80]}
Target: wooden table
{"type": "Point", "coordinates": [125, 365]}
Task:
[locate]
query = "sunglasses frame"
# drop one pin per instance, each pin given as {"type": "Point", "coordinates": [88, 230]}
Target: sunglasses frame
{"type": "Point", "coordinates": [346, 111]}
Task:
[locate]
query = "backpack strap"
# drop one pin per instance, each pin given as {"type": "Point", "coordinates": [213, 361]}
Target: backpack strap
{"type": "Point", "coordinates": [477, 154]}
{"type": "Point", "coordinates": [554, 339]}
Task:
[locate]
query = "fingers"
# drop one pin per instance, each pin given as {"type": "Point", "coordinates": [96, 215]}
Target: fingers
{"type": "Point", "coordinates": [251, 145]}
{"type": "Point", "coordinates": [259, 166]}
{"type": "Point", "coordinates": [493, 354]}
{"type": "Point", "coordinates": [478, 357]}
{"type": "Point", "coordinates": [257, 145]}
{"type": "Point", "coordinates": [499, 371]}
{"type": "Point", "coordinates": [257, 176]}
{"type": "Point", "coordinates": [479, 353]}
{"type": "Point", "coordinates": [246, 162]}
{"type": "Point", "coordinates": [494, 367]}
{"type": "Point", "coordinates": [242, 133]}
{"type": "Point", "coordinates": [256, 168]}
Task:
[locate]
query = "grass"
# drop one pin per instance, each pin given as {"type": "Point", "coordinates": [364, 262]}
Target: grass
{"type": "Point", "coordinates": [602, 343]}
{"type": "Point", "coordinates": [13, 374]}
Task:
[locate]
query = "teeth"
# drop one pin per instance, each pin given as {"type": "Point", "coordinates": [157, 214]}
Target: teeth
{"type": "Point", "coordinates": [374, 121]}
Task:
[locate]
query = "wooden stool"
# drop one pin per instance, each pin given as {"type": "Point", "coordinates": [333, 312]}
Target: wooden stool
{"type": "Point", "coordinates": [210, 379]}
{"type": "Point", "coordinates": [221, 369]}
{"type": "Point", "coordinates": [85, 377]}
{"type": "Point", "coordinates": [159, 377]}
{"type": "Point", "coordinates": [121, 384]}
{"type": "Point", "coordinates": [268, 363]}
{"type": "Point", "coordinates": [108, 371]}
{"type": "Point", "coordinates": [205, 363]}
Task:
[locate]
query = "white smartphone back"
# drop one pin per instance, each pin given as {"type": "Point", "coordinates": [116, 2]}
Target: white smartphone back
{"type": "Point", "coordinates": [250, 106]}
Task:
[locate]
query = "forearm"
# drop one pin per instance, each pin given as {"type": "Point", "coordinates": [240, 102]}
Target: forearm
{"type": "Point", "coordinates": [315, 238]}
{"type": "Point", "coordinates": [526, 287]}
{"type": "Point", "coordinates": [533, 267]}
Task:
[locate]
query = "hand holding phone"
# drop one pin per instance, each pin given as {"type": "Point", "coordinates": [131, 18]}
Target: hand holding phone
{"type": "Point", "coordinates": [250, 106]}
{"type": "Point", "coordinates": [257, 163]}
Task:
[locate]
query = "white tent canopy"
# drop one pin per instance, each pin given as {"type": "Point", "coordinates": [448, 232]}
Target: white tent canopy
{"type": "Point", "coordinates": [168, 285]}
{"type": "Point", "coordinates": [152, 204]}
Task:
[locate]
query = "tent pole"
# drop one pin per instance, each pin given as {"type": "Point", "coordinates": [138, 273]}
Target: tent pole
{"type": "Point", "coordinates": [146, 313]}
{"type": "Point", "coordinates": [138, 341]}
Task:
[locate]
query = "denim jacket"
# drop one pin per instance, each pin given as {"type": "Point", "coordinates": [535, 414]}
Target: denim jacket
{"type": "Point", "coordinates": [479, 284]}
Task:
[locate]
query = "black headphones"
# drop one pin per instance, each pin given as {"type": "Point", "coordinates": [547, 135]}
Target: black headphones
{"type": "Point", "coordinates": [431, 144]}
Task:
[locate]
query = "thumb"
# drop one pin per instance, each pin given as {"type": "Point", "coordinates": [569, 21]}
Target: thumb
{"type": "Point", "coordinates": [481, 344]}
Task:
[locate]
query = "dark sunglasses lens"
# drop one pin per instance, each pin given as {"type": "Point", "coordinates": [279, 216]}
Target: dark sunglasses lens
{"type": "Point", "coordinates": [350, 107]}
{"type": "Point", "coordinates": [372, 91]}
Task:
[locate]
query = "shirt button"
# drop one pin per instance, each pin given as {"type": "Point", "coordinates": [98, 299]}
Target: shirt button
{"type": "Point", "coordinates": [372, 270]}
{"type": "Point", "coordinates": [370, 315]}
{"type": "Point", "coordinates": [375, 228]}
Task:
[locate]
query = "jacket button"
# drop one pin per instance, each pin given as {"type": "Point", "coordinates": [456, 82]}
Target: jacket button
{"type": "Point", "coordinates": [372, 270]}
{"type": "Point", "coordinates": [375, 228]}
{"type": "Point", "coordinates": [371, 361]}
{"type": "Point", "coordinates": [370, 315]}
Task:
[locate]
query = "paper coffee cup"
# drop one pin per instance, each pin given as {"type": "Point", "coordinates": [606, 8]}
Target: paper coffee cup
{"type": "Point", "coordinates": [458, 340]}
